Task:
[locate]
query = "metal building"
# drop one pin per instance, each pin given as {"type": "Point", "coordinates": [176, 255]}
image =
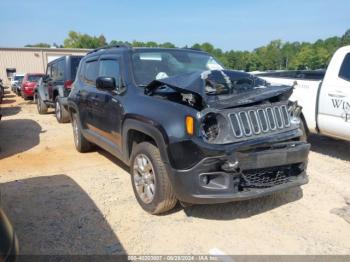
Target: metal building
{"type": "Point", "coordinates": [30, 59]}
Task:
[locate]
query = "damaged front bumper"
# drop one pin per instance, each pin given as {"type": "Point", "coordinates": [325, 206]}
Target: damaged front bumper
{"type": "Point", "coordinates": [243, 173]}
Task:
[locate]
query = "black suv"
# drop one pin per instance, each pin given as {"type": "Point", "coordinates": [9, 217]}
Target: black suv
{"type": "Point", "coordinates": [53, 89]}
{"type": "Point", "coordinates": [189, 130]}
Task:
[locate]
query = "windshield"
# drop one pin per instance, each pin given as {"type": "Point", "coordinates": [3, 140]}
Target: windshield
{"type": "Point", "coordinates": [152, 65]}
{"type": "Point", "coordinates": [34, 78]}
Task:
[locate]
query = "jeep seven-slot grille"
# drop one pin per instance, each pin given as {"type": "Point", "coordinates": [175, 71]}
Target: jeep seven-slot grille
{"type": "Point", "coordinates": [259, 121]}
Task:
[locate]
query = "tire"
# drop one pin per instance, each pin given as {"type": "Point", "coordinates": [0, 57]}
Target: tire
{"type": "Point", "coordinates": [81, 143]}
{"type": "Point", "coordinates": [18, 93]}
{"type": "Point", "coordinates": [40, 105]}
{"type": "Point", "coordinates": [158, 184]}
{"type": "Point", "coordinates": [62, 115]}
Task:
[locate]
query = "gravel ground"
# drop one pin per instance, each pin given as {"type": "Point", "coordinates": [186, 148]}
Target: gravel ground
{"type": "Point", "coordinates": [64, 202]}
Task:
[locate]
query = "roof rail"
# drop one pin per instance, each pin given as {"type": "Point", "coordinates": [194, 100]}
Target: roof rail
{"type": "Point", "coordinates": [109, 47]}
{"type": "Point", "coordinates": [194, 49]}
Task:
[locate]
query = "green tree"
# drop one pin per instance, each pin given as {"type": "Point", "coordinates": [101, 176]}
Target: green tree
{"type": "Point", "coordinates": [167, 45]}
{"type": "Point", "coordinates": [275, 55]}
{"type": "Point", "coordinates": [345, 39]}
{"type": "Point", "coordinates": [78, 40]}
{"type": "Point", "coordinates": [42, 45]}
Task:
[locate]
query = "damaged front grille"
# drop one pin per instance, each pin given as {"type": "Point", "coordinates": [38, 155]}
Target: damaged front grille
{"type": "Point", "coordinates": [268, 177]}
{"type": "Point", "coordinates": [258, 121]}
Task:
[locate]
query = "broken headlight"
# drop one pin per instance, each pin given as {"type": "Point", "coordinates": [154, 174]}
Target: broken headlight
{"type": "Point", "coordinates": [213, 127]}
{"type": "Point", "coordinates": [295, 111]}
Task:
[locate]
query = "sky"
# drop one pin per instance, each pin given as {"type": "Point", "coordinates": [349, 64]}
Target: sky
{"type": "Point", "coordinates": [227, 24]}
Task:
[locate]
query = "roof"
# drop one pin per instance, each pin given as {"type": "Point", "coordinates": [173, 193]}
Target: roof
{"type": "Point", "coordinates": [124, 48]}
{"type": "Point", "coordinates": [44, 49]}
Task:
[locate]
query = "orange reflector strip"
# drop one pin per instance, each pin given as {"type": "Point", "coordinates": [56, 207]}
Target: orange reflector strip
{"type": "Point", "coordinates": [189, 125]}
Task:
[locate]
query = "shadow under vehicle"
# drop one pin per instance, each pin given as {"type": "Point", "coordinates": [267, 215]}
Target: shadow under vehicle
{"type": "Point", "coordinates": [9, 247]}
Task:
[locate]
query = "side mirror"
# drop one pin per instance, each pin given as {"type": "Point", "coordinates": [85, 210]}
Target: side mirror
{"type": "Point", "coordinates": [110, 84]}
{"type": "Point", "coordinates": [106, 83]}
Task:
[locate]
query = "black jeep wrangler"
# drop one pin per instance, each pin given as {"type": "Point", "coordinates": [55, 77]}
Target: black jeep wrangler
{"type": "Point", "coordinates": [53, 89]}
{"type": "Point", "coordinates": [189, 130]}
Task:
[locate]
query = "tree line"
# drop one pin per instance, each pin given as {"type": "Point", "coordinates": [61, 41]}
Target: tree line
{"type": "Point", "coordinates": [276, 55]}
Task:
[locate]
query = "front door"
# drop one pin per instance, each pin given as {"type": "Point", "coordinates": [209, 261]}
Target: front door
{"type": "Point", "coordinates": [107, 119]}
{"type": "Point", "coordinates": [334, 104]}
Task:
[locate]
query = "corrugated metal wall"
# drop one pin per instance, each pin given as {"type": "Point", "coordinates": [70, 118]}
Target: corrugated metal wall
{"type": "Point", "coordinates": [30, 60]}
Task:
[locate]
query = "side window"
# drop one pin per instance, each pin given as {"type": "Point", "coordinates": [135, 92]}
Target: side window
{"type": "Point", "coordinates": [344, 71]}
{"type": "Point", "coordinates": [90, 72]}
{"type": "Point", "coordinates": [60, 70]}
{"type": "Point", "coordinates": [54, 72]}
{"type": "Point", "coordinates": [48, 71]}
{"type": "Point", "coordinates": [110, 68]}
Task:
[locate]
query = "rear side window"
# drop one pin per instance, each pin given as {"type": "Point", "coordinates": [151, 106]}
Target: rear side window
{"type": "Point", "coordinates": [54, 72]}
{"type": "Point", "coordinates": [57, 71]}
{"type": "Point", "coordinates": [91, 71]}
{"type": "Point", "coordinates": [109, 68]}
{"type": "Point", "coordinates": [345, 68]}
{"type": "Point", "coordinates": [60, 70]}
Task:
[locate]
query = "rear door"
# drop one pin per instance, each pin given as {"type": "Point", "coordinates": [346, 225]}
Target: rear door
{"type": "Point", "coordinates": [334, 101]}
{"type": "Point", "coordinates": [50, 84]}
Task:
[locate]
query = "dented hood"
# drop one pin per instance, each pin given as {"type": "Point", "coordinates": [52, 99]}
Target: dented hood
{"type": "Point", "coordinates": [222, 88]}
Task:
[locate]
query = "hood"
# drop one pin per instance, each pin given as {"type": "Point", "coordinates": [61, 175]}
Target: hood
{"type": "Point", "coordinates": [222, 88]}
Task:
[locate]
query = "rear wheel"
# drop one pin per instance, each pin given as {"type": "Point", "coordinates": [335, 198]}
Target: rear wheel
{"type": "Point", "coordinates": [40, 105]}
{"type": "Point", "coordinates": [61, 113]}
{"type": "Point", "coordinates": [150, 181]}
{"type": "Point", "coordinates": [81, 143]}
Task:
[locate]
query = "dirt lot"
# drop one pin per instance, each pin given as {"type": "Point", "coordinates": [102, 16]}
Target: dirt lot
{"type": "Point", "coordinates": [63, 202]}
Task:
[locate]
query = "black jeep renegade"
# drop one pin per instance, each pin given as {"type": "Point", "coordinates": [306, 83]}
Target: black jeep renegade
{"type": "Point", "coordinates": [189, 130]}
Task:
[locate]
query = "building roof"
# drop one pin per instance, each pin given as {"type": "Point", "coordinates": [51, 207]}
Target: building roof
{"type": "Point", "coordinates": [44, 49]}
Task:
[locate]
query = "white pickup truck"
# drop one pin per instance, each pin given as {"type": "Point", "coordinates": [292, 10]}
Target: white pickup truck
{"type": "Point", "coordinates": [324, 95]}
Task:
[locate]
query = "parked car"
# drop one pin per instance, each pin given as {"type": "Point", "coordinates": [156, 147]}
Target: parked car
{"type": "Point", "coordinates": [324, 95]}
{"type": "Point", "coordinates": [188, 129]}
{"type": "Point", "coordinates": [16, 81]}
{"type": "Point", "coordinates": [29, 84]}
{"type": "Point", "coordinates": [56, 85]}
{"type": "Point", "coordinates": [8, 240]}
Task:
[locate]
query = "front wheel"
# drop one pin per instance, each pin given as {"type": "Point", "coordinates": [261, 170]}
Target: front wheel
{"type": "Point", "coordinates": [61, 113]}
{"type": "Point", "coordinates": [150, 181]}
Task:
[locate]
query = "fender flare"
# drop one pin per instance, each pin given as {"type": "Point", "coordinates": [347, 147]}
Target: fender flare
{"type": "Point", "coordinates": [148, 127]}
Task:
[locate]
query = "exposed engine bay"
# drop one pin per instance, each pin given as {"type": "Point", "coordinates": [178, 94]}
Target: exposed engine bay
{"type": "Point", "coordinates": [217, 89]}
{"type": "Point", "coordinates": [234, 106]}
